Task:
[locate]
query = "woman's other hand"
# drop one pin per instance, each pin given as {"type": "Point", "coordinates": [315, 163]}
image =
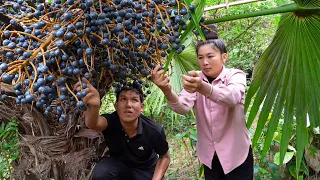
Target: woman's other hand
{"type": "Point", "coordinates": [192, 82]}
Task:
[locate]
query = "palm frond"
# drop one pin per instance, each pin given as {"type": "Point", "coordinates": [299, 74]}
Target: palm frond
{"type": "Point", "coordinates": [308, 3]}
{"type": "Point", "coordinates": [181, 64]}
{"type": "Point", "coordinates": [286, 80]}
{"type": "Point", "coordinates": [188, 32]}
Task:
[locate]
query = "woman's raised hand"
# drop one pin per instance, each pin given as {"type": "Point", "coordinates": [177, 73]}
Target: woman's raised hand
{"type": "Point", "coordinates": [160, 79]}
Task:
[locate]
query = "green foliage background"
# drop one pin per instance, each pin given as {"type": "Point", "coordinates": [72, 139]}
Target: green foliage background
{"type": "Point", "coordinates": [8, 147]}
{"type": "Point", "coordinates": [246, 39]}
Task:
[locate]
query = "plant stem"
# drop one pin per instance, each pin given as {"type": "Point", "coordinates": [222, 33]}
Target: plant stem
{"type": "Point", "coordinates": [7, 160]}
{"type": "Point", "coordinates": [5, 19]}
{"type": "Point", "coordinates": [283, 9]}
{"type": "Point", "coordinates": [236, 3]}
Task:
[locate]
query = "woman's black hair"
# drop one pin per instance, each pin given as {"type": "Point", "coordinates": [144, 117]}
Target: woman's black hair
{"type": "Point", "coordinates": [216, 43]}
{"type": "Point", "coordinates": [212, 38]}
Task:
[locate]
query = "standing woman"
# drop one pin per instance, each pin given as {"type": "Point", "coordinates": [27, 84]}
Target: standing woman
{"type": "Point", "coordinates": [217, 95]}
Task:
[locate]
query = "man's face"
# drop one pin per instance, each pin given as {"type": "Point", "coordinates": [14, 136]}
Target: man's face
{"type": "Point", "coordinates": [129, 106]}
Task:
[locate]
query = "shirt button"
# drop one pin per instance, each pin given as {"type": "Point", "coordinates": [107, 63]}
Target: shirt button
{"type": "Point", "coordinates": [128, 140]}
{"type": "Point", "coordinates": [125, 134]}
{"type": "Point", "coordinates": [214, 142]}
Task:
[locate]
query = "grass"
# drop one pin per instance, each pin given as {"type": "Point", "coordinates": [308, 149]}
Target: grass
{"type": "Point", "coordinates": [184, 163]}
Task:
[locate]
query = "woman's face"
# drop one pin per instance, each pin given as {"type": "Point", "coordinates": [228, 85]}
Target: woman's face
{"type": "Point", "coordinates": [211, 60]}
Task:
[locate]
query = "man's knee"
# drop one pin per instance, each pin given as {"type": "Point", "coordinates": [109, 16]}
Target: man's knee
{"type": "Point", "coordinates": [100, 171]}
{"type": "Point", "coordinates": [109, 168]}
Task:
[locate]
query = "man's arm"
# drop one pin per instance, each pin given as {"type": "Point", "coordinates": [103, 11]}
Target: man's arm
{"type": "Point", "coordinates": [92, 118]}
{"type": "Point", "coordinates": [161, 147]}
{"type": "Point", "coordinates": [94, 121]}
{"type": "Point", "coordinates": [162, 166]}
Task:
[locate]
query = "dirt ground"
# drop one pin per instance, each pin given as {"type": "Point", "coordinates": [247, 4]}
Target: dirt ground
{"type": "Point", "coordinates": [184, 162]}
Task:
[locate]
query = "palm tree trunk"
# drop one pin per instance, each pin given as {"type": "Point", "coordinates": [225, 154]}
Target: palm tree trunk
{"type": "Point", "coordinates": [49, 149]}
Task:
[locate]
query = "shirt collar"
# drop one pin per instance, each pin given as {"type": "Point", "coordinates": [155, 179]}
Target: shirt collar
{"type": "Point", "coordinates": [139, 131]}
{"type": "Point", "coordinates": [221, 75]}
{"type": "Point", "coordinates": [139, 125]}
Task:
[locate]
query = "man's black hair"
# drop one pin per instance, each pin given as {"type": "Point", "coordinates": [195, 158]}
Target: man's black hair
{"type": "Point", "coordinates": [130, 88]}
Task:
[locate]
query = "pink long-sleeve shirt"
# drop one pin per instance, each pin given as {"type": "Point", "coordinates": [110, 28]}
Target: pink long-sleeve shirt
{"type": "Point", "coordinates": [220, 120]}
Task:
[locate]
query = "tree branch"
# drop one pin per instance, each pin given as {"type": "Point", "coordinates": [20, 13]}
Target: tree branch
{"type": "Point", "coordinates": [31, 3]}
{"type": "Point", "coordinates": [243, 32]}
{"type": "Point", "coordinates": [5, 19]}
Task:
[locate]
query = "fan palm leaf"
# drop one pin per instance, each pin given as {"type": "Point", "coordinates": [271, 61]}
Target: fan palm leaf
{"type": "Point", "coordinates": [286, 80]}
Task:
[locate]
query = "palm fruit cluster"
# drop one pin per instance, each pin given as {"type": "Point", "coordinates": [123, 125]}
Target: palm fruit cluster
{"type": "Point", "coordinates": [47, 47]}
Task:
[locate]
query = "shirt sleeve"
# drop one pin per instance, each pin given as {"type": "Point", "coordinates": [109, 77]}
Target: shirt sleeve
{"type": "Point", "coordinates": [161, 146]}
{"type": "Point", "coordinates": [233, 92]}
{"type": "Point", "coordinates": [109, 118]}
{"type": "Point", "coordinates": [185, 102]}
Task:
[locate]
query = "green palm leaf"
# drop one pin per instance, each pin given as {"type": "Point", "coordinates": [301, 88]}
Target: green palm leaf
{"type": "Point", "coordinates": [180, 64]}
{"type": "Point", "coordinates": [287, 80]}
{"type": "Point", "coordinates": [188, 32]}
{"type": "Point", "coordinates": [196, 18]}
